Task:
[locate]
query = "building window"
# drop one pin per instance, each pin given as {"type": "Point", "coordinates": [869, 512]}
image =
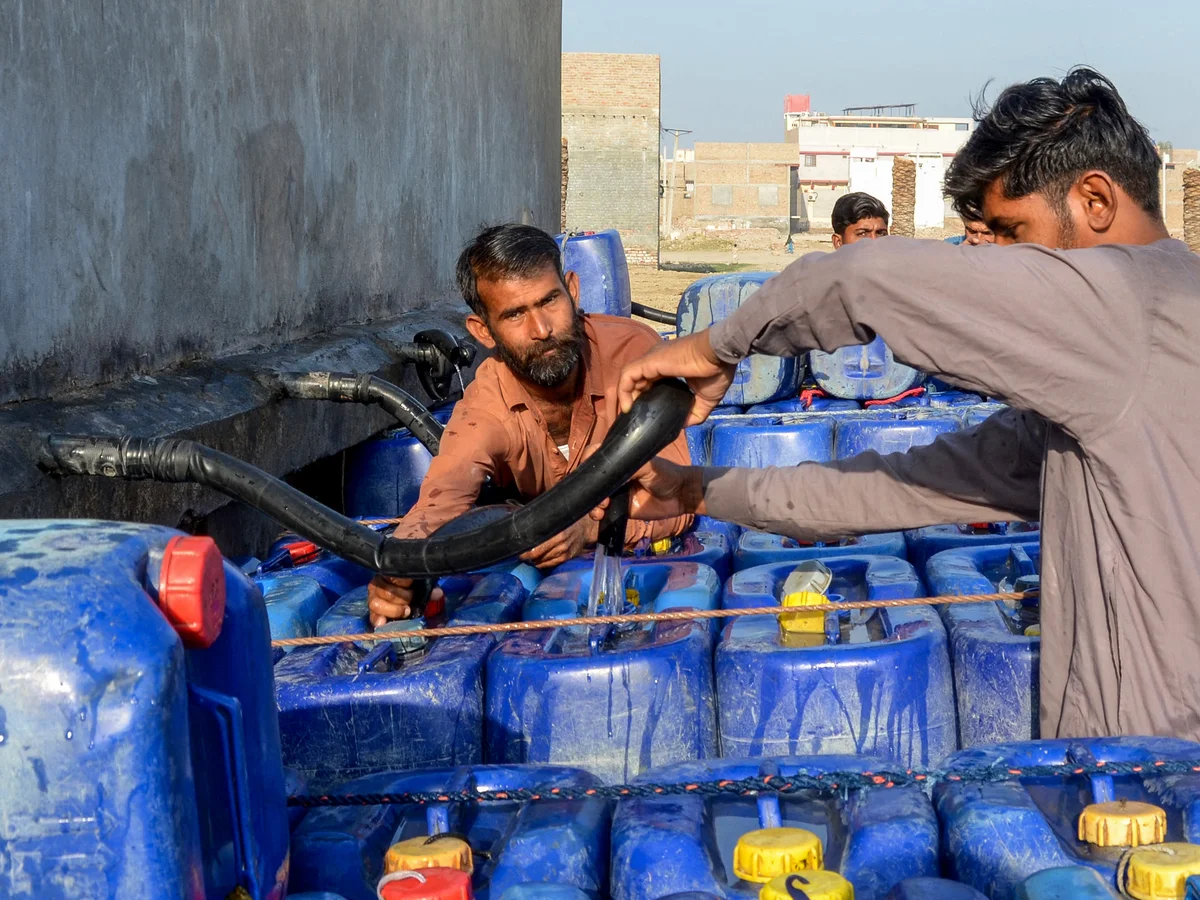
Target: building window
{"type": "Point", "coordinates": [768, 195]}
{"type": "Point", "coordinates": [689, 188]}
{"type": "Point", "coordinates": [962, 126]}
{"type": "Point", "coordinates": [810, 160]}
{"type": "Point", "coordinates": [722, 195]}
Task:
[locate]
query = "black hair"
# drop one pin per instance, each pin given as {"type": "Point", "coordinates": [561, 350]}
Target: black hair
{"type": "Point", "coordinates": [1042, 135]}
{"type": "Point", "coordinates": [503, 252]}
{"type": "Point", "coordinates": [855, 207]}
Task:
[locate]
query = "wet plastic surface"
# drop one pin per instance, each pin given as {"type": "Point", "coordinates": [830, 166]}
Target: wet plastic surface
{"type": "Point", "coordinates": [759, 379]}
{"type": "Point", "coordinates": [127, 764]}
{"type": "Point", "coordinates": [756, 548]}
{"type": "Point", "coordinates": [876, 682]}
{"type": "Point", "coordinates": [614, 700]}
{"type": "Point", "coordinates": [997, 835]}
{"type": "Point", "coordinates": [342, 849]}
{"type": "Point", "coordinates": [867, 372]}
{"type": "Point", "coordinates": [995, 663]}
{"type": "Point", "coordinates": [663, 846]}
{"type": "Point", "coordinates": [348, 710]}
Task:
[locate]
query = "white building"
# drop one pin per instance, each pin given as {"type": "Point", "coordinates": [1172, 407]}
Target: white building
{"type": "Point", "coordinates": [854, 152]}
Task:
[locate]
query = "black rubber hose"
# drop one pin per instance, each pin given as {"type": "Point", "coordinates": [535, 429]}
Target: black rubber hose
{"type": "Point", "coordinates": [634, 439]}
{"type": "Point", "coordinates": [611, 534]}
{"type": "Point", "coordinates": [654, 315]}
{"type": "Point", "coordinates": [343, 388]}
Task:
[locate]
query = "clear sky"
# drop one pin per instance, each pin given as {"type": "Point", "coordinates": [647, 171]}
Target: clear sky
{"type": "Point", "coordinates": [726, 64]}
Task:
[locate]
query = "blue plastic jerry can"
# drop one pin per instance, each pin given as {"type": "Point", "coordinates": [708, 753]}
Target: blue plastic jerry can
{"type": "Point", "coordinates": [1066, 883]}
{"type": "Point", "coordinates": [933, 889]}
{"type": "Point", "coordinates": [1136, 830]}
{"type": "Point", "coordinates": [384, 475]}
{"type": "Point", "coordinates": [598, 259]}
{"type": "Point", "coordinates": [995, 648]}
{"type": "Point", "coordinates": [721, 845]}
{"type": "Point", "coordinates": [347, 710]}
{"type": "Point", "coordinates": [613, 700]}
{"type": "Point", "coordinates": [867, 372]}
{"type": "Point", "coordinates": [759, 378]}
{"type": "Point", "coordinates": [139, 741]}
{"type": "Point", "coordinates": [859, 682]}
{"type": "Point", "coordinates": [769, 441]}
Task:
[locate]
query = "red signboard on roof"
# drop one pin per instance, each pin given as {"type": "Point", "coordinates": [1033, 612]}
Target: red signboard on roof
{"type": "Point", "coordinates": [797, 103]}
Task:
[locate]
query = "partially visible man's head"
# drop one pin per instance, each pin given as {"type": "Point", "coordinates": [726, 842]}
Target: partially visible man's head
{"type": "Point", "coordinates": [858, 217]}
{"type": "Point", "coordinates": [1060, 163]}
{"type": "Point", "coordinates": [522, 304]}
{"type": "Point", "coordinates": [976, 233]}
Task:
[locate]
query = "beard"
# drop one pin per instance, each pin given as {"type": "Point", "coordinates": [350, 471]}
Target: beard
{"type": "Point", "coordinates": [1067, 238]}
{"type": "Point", "coordinates": [546, 363]}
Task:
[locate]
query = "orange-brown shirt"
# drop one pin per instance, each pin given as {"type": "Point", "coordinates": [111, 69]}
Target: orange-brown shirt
{"type": "Point", "coordinates": [497, 431]}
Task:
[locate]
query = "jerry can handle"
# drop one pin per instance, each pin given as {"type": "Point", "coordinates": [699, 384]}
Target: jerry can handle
{"type": "Point", "coordinates": [227, 711]}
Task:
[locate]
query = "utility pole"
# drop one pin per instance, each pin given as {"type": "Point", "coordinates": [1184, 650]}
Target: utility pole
{"type": "Point", "coordinates": [674, 162]}
{"type": "Point", "coordinates": [1165, 148]}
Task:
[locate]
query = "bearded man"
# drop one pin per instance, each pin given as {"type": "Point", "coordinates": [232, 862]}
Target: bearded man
{"type": "Point", "coordinates": [548, 392]}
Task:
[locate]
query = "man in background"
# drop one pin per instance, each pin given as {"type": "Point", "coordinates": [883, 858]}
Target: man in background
{"type": "Point", "coordinates": [974, 233]}
{"type": "Point", "coordinates": [858, 217]}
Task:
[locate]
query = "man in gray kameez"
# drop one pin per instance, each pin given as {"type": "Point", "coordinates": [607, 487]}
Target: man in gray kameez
{"type": "Point", "coordinates": [1089, 328]}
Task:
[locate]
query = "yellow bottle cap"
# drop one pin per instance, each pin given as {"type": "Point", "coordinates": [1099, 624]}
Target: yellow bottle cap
{"type": "Point", "coordinates": [816, 885]}
{"type": "Point", "coordinates": [1159, 872]}
{"type": "Point", "coordinates": [1033, 631]}
{"type": "Point", "coordinates": [429, 853]}
{"type": "Point", "coordinates": [805, 586]}
{"type": "Point", "coordinates": [1122, 823]}
{"type": "Point", "coordinates": [803, 622]}
{"type": "Point", "coordinates": [761, 855]}
{"type": "Point", "coordinates": [661, 547]}
{"type": "Point", "coordinates": [632, 595]}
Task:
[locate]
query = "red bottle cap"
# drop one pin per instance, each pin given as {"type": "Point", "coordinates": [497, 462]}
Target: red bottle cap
{"type": "Point", "coordinates": [191, 589]}
{"type": "Point", "coordinates": [302, 552]}
{"type": "Point", "coordinates": [426, 884]}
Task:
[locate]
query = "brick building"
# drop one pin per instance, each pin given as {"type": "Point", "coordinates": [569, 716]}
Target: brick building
{"type": "Point", "coordinates": [610, 119]}
{"type": "Point", "coordinates": [752, 184]}
{"type": "Point", "coordinates": [1180, 160]}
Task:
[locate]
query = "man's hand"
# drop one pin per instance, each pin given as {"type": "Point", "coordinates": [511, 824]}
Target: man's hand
{"type": "Point", "coordinates": [563, 546]}
{"type": "Point", "coordinates": [662, 490]}
{"type": "Point", "coordinates": [691, 358]}
{"type": "Point", "coordinates": [392, 598]}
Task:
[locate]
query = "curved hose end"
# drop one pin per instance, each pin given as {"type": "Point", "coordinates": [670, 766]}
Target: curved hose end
{"type": "Point", "coordinates": [70, 454]}
{"type": "Point", "coordinates": [339, 387]}
{"type": "Point", "coordinates": [304, 385]}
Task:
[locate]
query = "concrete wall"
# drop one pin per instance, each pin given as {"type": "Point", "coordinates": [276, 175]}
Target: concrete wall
{"type": "Point", "coordinates": [197, 178]}
{"type": "Point", "coordinates": [610, 118]}
{"type": "Point", "coordinates": [212, 191]}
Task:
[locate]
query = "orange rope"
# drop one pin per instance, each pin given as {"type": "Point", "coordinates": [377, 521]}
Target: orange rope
{"type": "Point", "coordinates": [682, 615]}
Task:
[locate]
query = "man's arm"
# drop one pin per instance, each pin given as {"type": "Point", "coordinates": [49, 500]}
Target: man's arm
{"type": "Point", "coordinates": [988, 473]}
{"type": "Point", "coordinates": [472, 443]}
{"type": "Point", "coordinates": [1038, 328]}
